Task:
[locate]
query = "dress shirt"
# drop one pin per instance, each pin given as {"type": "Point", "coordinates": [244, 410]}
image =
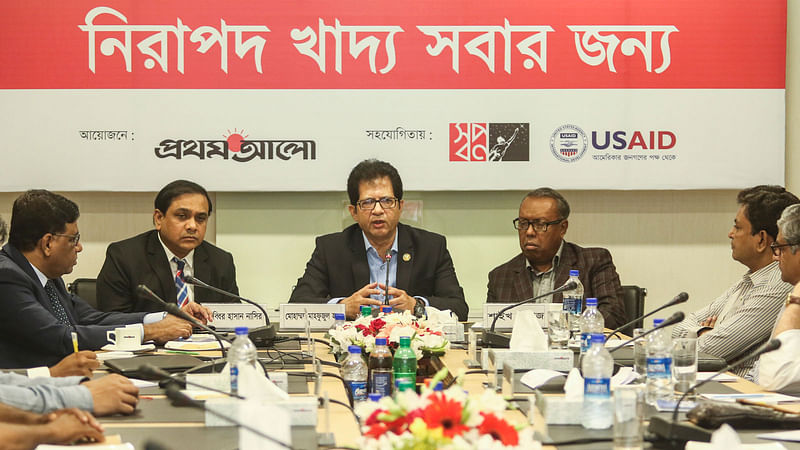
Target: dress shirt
{"type": "Point", "coordinates": [188, 268]}
{"type": "Point", "coordinates": [779, 370]}
{"type": "Point", "coordinates": [760, 298]}
{"type": "Point", "coordinates": [544, 281]}
{"type": "Point", "coordinates": [43, 395]}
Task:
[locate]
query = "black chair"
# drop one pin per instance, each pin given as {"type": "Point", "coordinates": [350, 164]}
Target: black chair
{"type": "Point", "coordinates": [633, 298]}
{"type": "Point", "coordinates": [85, 288]}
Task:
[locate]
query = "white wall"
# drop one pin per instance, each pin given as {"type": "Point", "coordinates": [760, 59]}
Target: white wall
{"type": "Point", "coordinates": [667, 241]}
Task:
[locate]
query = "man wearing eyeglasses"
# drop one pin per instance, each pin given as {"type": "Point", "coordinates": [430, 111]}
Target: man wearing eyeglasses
{"type": "Point", "coordinates": [742, 317]}
{"type": "Point", "coordinates": [547, 258]}
{"type": "Point", "coordinates": [351, 266]}
{"type": "Point", "coordinates": [37, 314]}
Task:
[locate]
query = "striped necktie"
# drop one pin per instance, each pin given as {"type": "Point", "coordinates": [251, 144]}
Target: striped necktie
{"type": "Point", "coordinates": [55, 302]}
{"type": "Point", "coordinates": [183, 290]}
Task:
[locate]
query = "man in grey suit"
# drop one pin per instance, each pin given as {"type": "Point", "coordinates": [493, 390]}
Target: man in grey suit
{"type": "Point", "coordinates": [546, 260]}
{"type": "Point", "coordinates": [351, 266]}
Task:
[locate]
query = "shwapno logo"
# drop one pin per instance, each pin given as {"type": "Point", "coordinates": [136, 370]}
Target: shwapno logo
{"type": "Point", "coordinates": [568, 143]}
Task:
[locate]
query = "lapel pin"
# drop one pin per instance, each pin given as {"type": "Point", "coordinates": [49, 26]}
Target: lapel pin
{"type": "Point", "coordinates": [406, 257]}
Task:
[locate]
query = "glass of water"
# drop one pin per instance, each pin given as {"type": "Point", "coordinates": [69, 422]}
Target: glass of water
{"type": "Point", "coordinates": [558, 329]}
{"type": "Point", "coordinates": [640, 354]}
{"type": "Point", "coordinates": [629, 405]}
{"type": "Point", "coordinates": [684, 364]}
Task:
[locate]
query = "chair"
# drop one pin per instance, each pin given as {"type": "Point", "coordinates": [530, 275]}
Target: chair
{"type": "Point", "coordinates": [633, 298]}
{"type": "Point", "coordinates": [85, 288]}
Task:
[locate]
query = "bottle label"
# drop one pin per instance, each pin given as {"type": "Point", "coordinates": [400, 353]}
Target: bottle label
{"type": "Point", "coordinates": [659, 367]}
{"type": "Point", "coordinates": [234, 379]}
{"type": "Point", "coordinates": [597, 387]}
{"type": "Point", "coordinates": [573, 305]}
{"type": "Point", "coordinates": [381, 383]}
{"type": "Point", "coordinates": [586, 342]}
{"type": "Point", "coordinates": [359, 390]}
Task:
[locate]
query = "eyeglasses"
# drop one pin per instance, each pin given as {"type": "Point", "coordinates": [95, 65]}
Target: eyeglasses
{"type": "Point", "coordinates": [776, 248]}
{"type": "Point", "coordinates": [73, 238]}
{"type": "Point", "coordinates": [539, 227]}
{"type": "Point", "coordinates": [368, 204]}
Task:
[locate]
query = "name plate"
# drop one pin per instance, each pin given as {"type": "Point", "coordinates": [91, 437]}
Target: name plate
{"type": "Point", "coordinates": [506, 321]}
{"type": "Point", "coordinates": [320, 315]}
{"type": "Point", "coordinates": [232, 315]}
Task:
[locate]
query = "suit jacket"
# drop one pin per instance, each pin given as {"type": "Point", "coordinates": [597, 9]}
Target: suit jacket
{"type": "Point", "coordinates": [511, 282]}
{"type": "Point", "coordinates": [141, 260]}
{"type": "Point", "coordinates": [30, 334]}
{"type": "Point", "coordinates": [338, 267]}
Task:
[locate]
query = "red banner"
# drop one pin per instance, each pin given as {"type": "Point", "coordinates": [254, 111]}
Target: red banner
{"type": "Point", "coordinates": [553, 44]}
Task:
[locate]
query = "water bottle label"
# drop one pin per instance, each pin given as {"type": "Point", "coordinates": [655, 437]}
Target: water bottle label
{"type": "Point", "coordinates": [586, 342]}
{"type": "Point", "coordinates": [597, 387]}
{"type": "Point", "coordinates": [659, 367]}
{"type": "Point", "coordinates": [234, 379]}
{"type": "Point", "coordinates": [382, 383]}
{"type": "Point", "coordinates": [573, 305]}
{"type": "Point", "coordinates": [359, 390]}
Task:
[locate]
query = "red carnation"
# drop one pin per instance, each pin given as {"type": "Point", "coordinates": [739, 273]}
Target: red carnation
{"type": "Point", "coordinates": [444, 413]}
{"type": "Point", "coordinates": [499, 429]}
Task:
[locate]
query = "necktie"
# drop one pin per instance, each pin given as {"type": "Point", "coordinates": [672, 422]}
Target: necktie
{"type": "Point", "coordinates": [183, 290]}
{"type": "Point", "coordinates": [55, 302]}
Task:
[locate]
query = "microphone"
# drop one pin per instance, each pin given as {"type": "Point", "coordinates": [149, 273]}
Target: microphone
{"type": "Point", "coordinates": [678, 299]}
{"type": "Point", "coordinates": [173, 309]}
{"type": "Point", "coordinates": [263, 336]}
{"type": "Point", "coordinates": [668, 429]}
{"type": "Point", "coordinates": [155, 372]}
{"type": "Point", "coordinates": [386, 286]}
{"type": "Point", "coordinates": [497, 340]}
{"type": "Point", "coordinates": [180, 399]}
{"type": "Point", "coordinates": [671, 320]}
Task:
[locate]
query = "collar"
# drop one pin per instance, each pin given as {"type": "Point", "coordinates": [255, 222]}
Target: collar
{"type": "Point", "coordinates": [556, 259]}
{"type": "Point", "coordinates": [763, 274]}
{"type": "Point", "coordinates": [369, 246]}
{"type": "Point", "coordinates": [189, 259]}
{"type": "Point", "coordinates": [42, 277]}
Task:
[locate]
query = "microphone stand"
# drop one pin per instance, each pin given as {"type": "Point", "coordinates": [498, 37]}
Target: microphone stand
{"type": "Point", "coordinates": [680, 298]}
{"type": "Point", "coordinates": [388, 259]}
{"type": "Point", "coordinates": [151, 370]}
{"type": "Point", "coordinates": [264, 336]}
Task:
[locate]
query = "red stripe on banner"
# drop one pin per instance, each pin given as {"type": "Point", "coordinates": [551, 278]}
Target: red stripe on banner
{"type": "Point", "coordinates": [552, 44]}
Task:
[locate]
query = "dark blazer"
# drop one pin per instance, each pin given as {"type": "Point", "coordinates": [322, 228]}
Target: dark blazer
{"type": "Point", "coordinates": [141, 260]}
{"type": "Point", "coordinates": [338, 267]}
{"type": "Point", "coordinates": [30, 334]}
{"type": "Point", "coordinates": [511, 282]}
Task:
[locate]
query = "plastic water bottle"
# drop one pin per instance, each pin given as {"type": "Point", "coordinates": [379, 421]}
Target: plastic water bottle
{"type": "Point", "coordinates": [597, 366]}
{"type": "Point", "coordinates": [354, 372]}
{"type": "Point", "coordinates": [241, 353]}
{"type": "Point", "coordinates": [591, 322]}
{"type": "Point", "coordinates": [659, 366]}
{"type": "Point", "coordinates": [338, 319]}
{"type": "Point", "coordinates": [573, 300]}
{"type": "Point", "coordinates": [405, 366]}
{"type": "Point", "coordinates": [380, 369]}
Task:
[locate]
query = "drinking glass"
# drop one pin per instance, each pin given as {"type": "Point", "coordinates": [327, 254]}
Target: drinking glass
{"type": "Point", "coordinates": [558, 329]}
{"type": "Point", "coordinates": [629, 405]}
{"type": "Point", "coordinates": [684, 364]}
{"type": "Point", "coordinates": [639, 354]}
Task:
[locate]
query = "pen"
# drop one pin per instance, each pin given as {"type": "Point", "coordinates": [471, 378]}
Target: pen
{"type": "Point", "coordinates": [179, 352]}
{"type": "Point", "coordinates": [75, 341]}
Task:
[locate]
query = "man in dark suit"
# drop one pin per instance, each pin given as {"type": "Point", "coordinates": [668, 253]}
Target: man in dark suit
{"type": "Point", "coordinates": [37, 314]}
{"type": "Point", "coordinates": [351, 266]}
{"type": "Point", "coordinates": [156, 257]}
{"type": "Point", "coordinates": [546, 260]}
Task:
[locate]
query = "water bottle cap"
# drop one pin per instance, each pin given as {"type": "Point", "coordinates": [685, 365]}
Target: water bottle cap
{"type": "Point", "coordinates": [598, 338]}
{"type": "Point", "coordinates": [374, 396]}
{"type": "Point", "coordinates": [439, 386]}
{"type": "Point", "coordinates": [591, 301]}
{"type": "Point", "coordinates": [242, 331]}
{"type": "Point", "coordinates": [657, 322]}
{"type": "Point", "coordinates": [354, 349]}
{"type": "Point", "coordinates": [380, 341]}
{"type": "Point", "coordinates": [386, 309]}
{"type": "Point", "coordinates": [338, 316]}
{"type": "Point", "coordinates": [574, 273]}
{"type": "Point", "coordinates": [405, 341]}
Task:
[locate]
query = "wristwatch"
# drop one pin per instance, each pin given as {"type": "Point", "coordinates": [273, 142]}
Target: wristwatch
{"type": "Point", "coordinates": [419, 308]}
{"type": "Point", "coordinates": [792, 299]}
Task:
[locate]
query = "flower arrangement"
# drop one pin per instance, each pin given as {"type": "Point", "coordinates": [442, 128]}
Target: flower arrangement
{"type": "Point", "coordinates": [425, 336]}
{"type": "Point", "coordinates": [448, 419]}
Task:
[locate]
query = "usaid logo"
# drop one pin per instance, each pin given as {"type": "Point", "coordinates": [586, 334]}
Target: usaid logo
{"type": "Point", "coordinates": [568, 143]}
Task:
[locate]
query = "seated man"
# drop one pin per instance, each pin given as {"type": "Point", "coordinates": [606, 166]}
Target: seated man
{"type": "Point", "coordinates": [742, 317]}
{"type": "Point", "coordinates": [780, 370]}
{"type": "Point", "coordinates": [156, 257]}
{"type": "Point", "coordinates": [37, 314]}
{"type": "Point", "coordinates": [546, 260]}
{"type": "Point", "coordinates": [350, 267]}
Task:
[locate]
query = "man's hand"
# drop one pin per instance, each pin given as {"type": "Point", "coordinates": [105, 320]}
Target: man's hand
{"type": "Point", "coordinates": [199, 312]}
{"type": "Point", "coordinates": [81, 364]}
{"type": "Point", "coordinates": [710, 322]}
{"type": "Point", "coordinates": [113, 394]}
{"type": "Point", "coordinates": [83, 416]}
{"type": "Point", "coordinates": [353, 303]}
{"type": "Point", "coordinates": [69, 428]}
{"type": "Point", "coordinates": [167, 329]}
{"type": "Point", "coordinates": [400, 299]}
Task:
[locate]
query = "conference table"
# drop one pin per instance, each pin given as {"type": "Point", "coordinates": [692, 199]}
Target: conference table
{"type": "Point", "coordinates": [158, 425]}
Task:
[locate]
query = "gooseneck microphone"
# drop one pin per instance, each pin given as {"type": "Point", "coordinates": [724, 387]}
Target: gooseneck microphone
{"type": "Point", "coordinates": [155, 372]}
{"type": "Point", "coordinates": [388, 259]}
{"type": "Point", "coordinates": [173, 309]}
{"type": "Point", "coordinates": [668, 429]}
{"type": "Point", "coordinates": [262, 335]}
{"type": "Point", "coordinates": [497, 340]}
{"type": "Point", "coordinates": [677, 300]}
{"type": "Point", "coordinates": [671, 320]}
